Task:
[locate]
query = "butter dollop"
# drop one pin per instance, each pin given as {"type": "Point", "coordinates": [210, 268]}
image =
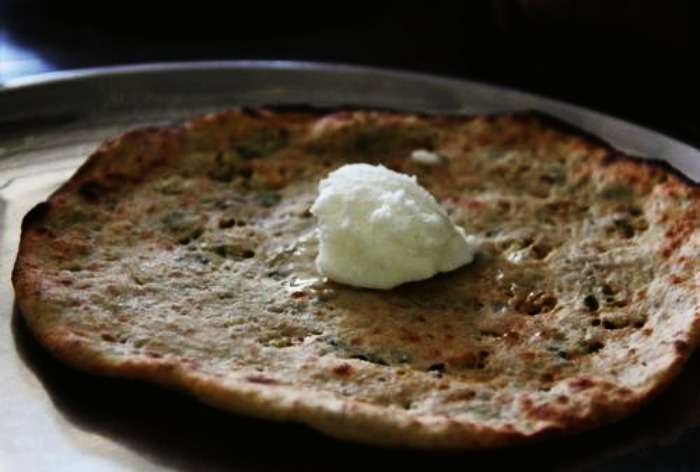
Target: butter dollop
{"type": "Point", "coordinates": [380, 229]}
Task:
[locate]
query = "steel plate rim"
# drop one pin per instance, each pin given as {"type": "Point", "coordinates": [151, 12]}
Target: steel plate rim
{"type": "Point", "coordinates": [41, 79]}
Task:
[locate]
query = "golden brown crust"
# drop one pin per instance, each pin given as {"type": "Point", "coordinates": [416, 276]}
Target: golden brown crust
{"type": "Point", "coordinates": [99, 277]}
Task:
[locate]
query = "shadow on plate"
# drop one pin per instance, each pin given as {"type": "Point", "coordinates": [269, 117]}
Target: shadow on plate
{"type": "Point", "coordinates": [173, 430]}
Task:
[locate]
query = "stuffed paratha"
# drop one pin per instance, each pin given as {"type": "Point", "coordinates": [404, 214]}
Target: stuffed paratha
{"type": "Point", "coordinates": [184, 255]}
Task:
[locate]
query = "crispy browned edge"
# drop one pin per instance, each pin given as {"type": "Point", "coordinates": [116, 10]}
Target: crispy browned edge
{"type": "Point", "coordinates": [341, 418]}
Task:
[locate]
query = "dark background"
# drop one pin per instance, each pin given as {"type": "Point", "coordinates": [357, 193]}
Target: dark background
{"type": "Point", "coordinates": [630, 58]}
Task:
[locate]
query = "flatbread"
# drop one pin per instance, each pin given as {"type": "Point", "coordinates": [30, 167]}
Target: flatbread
{"type": "Point", "coordinates": [183, 255]}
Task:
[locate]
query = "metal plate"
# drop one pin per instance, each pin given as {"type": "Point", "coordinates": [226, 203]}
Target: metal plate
{"type": "Point", "coordinates": [56, 419]}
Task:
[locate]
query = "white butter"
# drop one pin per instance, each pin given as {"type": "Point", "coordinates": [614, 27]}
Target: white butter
{"type": "Point", "coordinates": [426, 158]}
{"type": "Point", "coordinates": [379, 229]}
